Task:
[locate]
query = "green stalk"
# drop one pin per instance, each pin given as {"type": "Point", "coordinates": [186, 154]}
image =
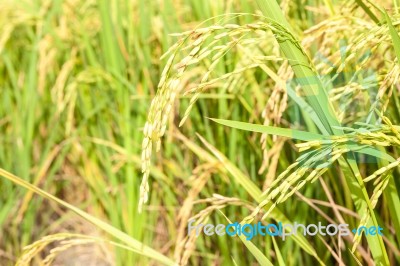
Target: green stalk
{"type": "Point", "coordinates": [318, 99]}
{"type": "Point", "coordinates": [368, 11]}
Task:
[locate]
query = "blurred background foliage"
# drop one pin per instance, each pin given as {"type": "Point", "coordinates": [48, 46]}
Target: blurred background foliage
{"type": "Point", "coordinates": [76, 80]}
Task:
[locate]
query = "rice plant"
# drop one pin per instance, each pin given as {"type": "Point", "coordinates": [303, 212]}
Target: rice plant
{"type": "Point", "coordinates": [125, 124]}
{"type": "Point", "coordinates": [332, 143]}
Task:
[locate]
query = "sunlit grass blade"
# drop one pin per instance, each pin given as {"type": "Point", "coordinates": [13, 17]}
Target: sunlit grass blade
{"type": "Point", "coordinates": [281, 261]}
{"type": "Point", "coordinates": [260, 257]}
{"type": "Point", "coordinates": [283, 132]}
{"type": "Point", "coordinates": [119, 235]}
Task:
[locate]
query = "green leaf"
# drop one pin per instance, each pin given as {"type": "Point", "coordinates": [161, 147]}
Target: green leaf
{"type": "Point", "coordinates": [281, 261]}
{"type": "Point", "coordinates": [372, 151]}
{"type": "Point", "coordinates": [307, 108]}
{"type": "Point", "coordinates": [299, 135]}
{"type": "Point", "coordinates": [394, 35]}
{"type": "Point", "coordinates": [283, 132]}
{"type": "Point", "coordinates": [368, 11]}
